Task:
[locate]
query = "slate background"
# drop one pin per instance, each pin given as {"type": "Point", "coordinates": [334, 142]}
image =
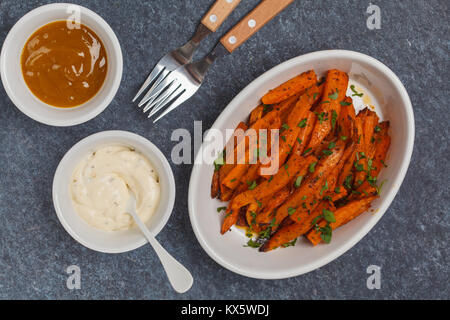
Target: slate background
{"type": "Point", "coordinates": [410, 243]}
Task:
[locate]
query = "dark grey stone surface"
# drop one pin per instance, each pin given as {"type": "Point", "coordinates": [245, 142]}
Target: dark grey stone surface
{"type": "Point", "coordinates": [410, 243]}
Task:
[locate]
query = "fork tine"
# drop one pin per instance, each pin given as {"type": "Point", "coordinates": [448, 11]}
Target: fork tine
{"type": "Point", "coordinates": [153, 75]}
{"type": "Point", "coordinates": [178, 101]}
{"type": "Point", "coordinates": [167, 99]}
{"type": "Point", "coordinates": [152, 93]}
{"type": "Point", "coordinates": [159, 98]}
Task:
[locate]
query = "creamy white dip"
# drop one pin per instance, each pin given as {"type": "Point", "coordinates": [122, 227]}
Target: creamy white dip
{"type": "Point", "coordinates": [101, 186]}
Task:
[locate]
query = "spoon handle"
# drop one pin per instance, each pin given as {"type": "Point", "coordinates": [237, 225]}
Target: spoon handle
{"type": "Point", "coordinates": [179, 277]}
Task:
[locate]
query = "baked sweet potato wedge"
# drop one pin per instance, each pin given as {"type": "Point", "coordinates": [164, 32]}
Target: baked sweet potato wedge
{"type": "Point", "coordinates": [291, 87]}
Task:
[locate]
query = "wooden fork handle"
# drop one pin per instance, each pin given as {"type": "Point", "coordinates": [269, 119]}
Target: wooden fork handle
{"type": "Point", "coordinates": [218, 13]}
{"type": "Point", "coordinates": [254, 21]}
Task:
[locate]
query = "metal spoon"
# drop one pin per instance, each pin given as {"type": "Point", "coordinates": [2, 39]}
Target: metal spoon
{"type": "Point", "coordinates": [179, 277]}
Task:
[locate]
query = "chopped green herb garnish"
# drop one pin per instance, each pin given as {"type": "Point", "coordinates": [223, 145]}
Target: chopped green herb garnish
{"type": "Point", "coordinates": [298, 181]}
{"type": "Point", "coordinates": [291, 211]}
{"type": "Point", "coordinates": [359, 167]}
{"type": "Point", "coordinates": [369, 165]}
{"type": "Point", "coordinates": [253, 244]}
{"type": "Point", "coordinates": [335, 95]}
{"type": "Point", "coordinates": [265, 234]}
{"type": "Point", "coordinates": [321, 116]}
{"type": "Point", "coordinates": [324, 188]}
{"type": "Point", "coordinates": [272, 222]}
{"type": "Point", "coordinates": [343, 138]}
{"type": "Point", "coordinates": [302, 123]}
{"type": "Point", "coordinates": [372, 180]}
{"type": "Point", "coordinates": [345, 103]}
{"type": "Point", "coordinates": [328, 215]}
{"type": "Point", "coordinates": [377, 129]}
{"type": "Point", "coordinates": [267, 107]}
{"type": "Point", "coordinates": [221, 209]}
{"type": "Point", "coordinates": [316, 219]}
{"type": "Point", "coordinates": [290, 244]}
{"type": "Point", "coordinates": [286, 166]}
{"type": "Point", "coordinates": [355, 93]}
{"type": "Point", "coordinates": [333, 118]}
{"type": "Point", "coordinates": [312, 167]}
{"type": "Point", "coordinates": [331, 145]}
{"type": "Point", "coordinates": [381, 186]}
{"type": "Point", "coordinates": [327, 152]}
{"type": "Point", "coordinates": [307, 151]}
{"type": "Point", "coordinates": [347, 181]}
{"type": "Point", "coordinates": [251, 185]}
{"type": "Point", "coordinates": [220, 161]}
{"type": "Point", "coordinates": [326, 233]}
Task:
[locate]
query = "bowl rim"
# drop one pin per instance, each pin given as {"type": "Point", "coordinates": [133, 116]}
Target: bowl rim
{"type": "Point", "coordinates": [92, 139]}
{"type": "Point", "coordinates": [91, 112]}
{"type": "Point", "coordinates": [388, 198]}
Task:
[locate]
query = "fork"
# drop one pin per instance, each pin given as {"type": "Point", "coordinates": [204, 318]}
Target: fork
{"type": "Point", "coordinates": [182, 83]}
{"type": "Point", "coordinates": [179, 57]}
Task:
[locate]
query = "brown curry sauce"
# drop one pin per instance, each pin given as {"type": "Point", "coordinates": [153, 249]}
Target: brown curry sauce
{"type": "Point", "coordinates": [64, 67]}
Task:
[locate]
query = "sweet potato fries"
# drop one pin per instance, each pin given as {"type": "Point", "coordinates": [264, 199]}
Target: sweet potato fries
{"type": "Point", "coordinates": [314, 169]}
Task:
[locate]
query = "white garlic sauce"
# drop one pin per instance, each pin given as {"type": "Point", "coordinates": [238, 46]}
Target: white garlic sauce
{"type": "Point", "coordinates": [101, 186]}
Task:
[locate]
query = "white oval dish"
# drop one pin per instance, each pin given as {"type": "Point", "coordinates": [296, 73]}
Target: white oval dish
{"type": "Point", "coordinates": [114, 241]}
{"type": "Point", "coordinates": [11, 72]}
{"type": "Point", "coordinates": [392, 103]}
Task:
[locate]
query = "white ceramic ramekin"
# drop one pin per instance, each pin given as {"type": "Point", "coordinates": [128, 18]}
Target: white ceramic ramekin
{"type": "Point", "coordinates": [392, 103]}
{"type": "Point", "coordinates": [114, 241]}
{"type": "Point", "coordinates": [11, 73]}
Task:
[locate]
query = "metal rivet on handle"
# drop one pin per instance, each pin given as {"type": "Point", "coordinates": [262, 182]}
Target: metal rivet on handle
{"type": "Point", "coordinates": [251, 23]}
{"type": "Point", "coordinates": [213, 18]}
{"type": "Point", "coordinates": [232, 39]}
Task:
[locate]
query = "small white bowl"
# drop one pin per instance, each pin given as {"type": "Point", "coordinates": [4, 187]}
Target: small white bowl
{"type": "Point", "coordinates": [392, 103]}
{"type": "Point", "coordinates": [111, 241]}
{"type": "Point", "coordinates": [14, 83]}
